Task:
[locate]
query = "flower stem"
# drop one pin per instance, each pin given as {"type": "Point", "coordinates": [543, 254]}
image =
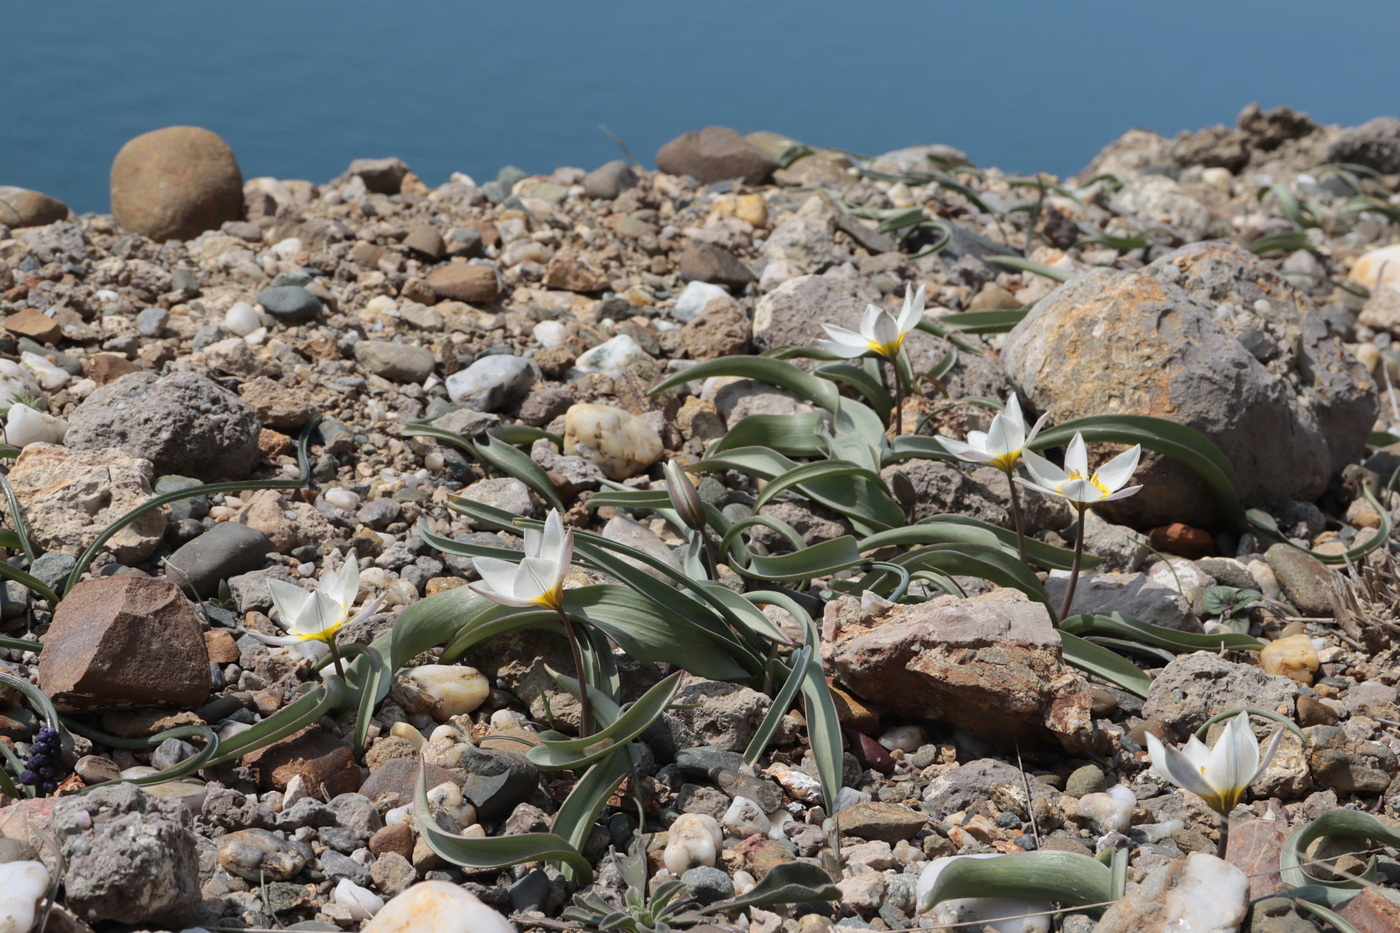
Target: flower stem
{"type": "Point", "coordinates": [1224, 843]}
{"type": "Point", "coordinates": [335, 656]}
{"type": "Point", "coordinates": [1074, 569]}
{"type": "Point", "coordinates": [585, 726]}
{"type": "Point", "coordinates": [898, 383]}
{"type": "Point", "coordinates": [1016, 514]}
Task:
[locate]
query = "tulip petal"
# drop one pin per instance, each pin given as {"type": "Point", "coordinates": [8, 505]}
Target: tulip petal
{"type": "Point", "coordinates": [1043, 471]}
{"type": "Point", "coordinates": [913, 311]}
{"type": "Point", "coordinates": [289, 600]}
{"type": "Point", "coordinates": [1121, 494]}
{"type": "Point", "coordinates": [964, 451]}
{"type": "Point", "coordinates": [1077, 456]}
{"type": "Point", "coordinates": [1004, 437]}
{"type": "Point", "coordinates": [502, 599]}
{"type": "Point", "coordinates": [1119, 470]}
{"type": "Point", "coordinates": [498, 574]}
{"type": "Point", "coordinates": [1036, 486]}
{"type": "Point", "coordinates": [1178, 768]}
{"type": "Point", "coordinates": [1035, 429]}
{"type": "Point", "coordinates": [1081, 490]}
{"type": "Point", "coordinates": [1268, 754]}
{"type": "Point", "coordinates": [868, 320]}
{"type": "Point", "coordinates": [286, 641]}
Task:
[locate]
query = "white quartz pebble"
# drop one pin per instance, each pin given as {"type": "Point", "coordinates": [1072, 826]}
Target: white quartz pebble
{"type": "Point", "coordinates": [1110, 812]}
{"type": "Point", "coordinates": [457, 689]}
{"type": "Point", "coordinates": [242, 319]}
{"type": "Point", "coordinates": [22, 886]}
{"type": "Point", "coordinates": [24, 425]}
{"type": "Point", "coordinates": [695, 841]}
{"type": "Point", "coordinates": [49, 375]}
{"type": "Point", "coordinates": [439, 906]}
{"type": "Point", "coordinates": [905, 738]}
{"type": "Point", "coordinates": [363, 903]}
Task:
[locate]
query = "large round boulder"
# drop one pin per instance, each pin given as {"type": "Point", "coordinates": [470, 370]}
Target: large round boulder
{"type": "Point", "coordinates": [1212, 338]}
{"type": "Point", "coordinates": [175, 183]}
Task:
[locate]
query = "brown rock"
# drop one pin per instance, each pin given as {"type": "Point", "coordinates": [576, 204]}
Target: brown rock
{"type": "Point", "coordinates": [990, 664]}
{"type": "Point", "coordinates": [103, 368]}
{"type": "Point", "coordinates": [397, 838]}
{"type": "Point", "coordinates": [381, 176]}
{"type": "Point", "coordinates": [325, 764]}
{"type": "Point", "coordinates": [574, 274]}
{"type": "Point", "coordinates": [1300, 408]}
{"type": "Point", "coordinates": [276, 405]}
{"type": "Point", "coordinates": [1178, 538]}
{"type": "Point", "coordinates": [1313, 712]}
{"type": "Point", "coordinates": [287, 525]}
{"type": "Point", "coordinates": [124, 642]}
{"type": "Point", "coordinates": [20, 207]}
{"type": "Point", "coordinates": [424, 239]}
{"type": "Point", "coordinates": [713, 264]}
{"type": "Point", "coordinates": [464, 281]}
{"type": "Point", "coordinates": [715, 153]}
{"type": "Point", "coordinates": [34, 324]}
{"type": "Point", "coordinates": [852, 713]}
{"type": "Point", "coordinates": [273, 443]}
{"type": "Point", "coordinates": [222, 647]}
{"type": "Point", "coordinates": [175, 183]}
{"type": "Point", "coordinates": [69, 496]}
{"type": "Point", "coordinates": [1254, 849]}
{"type": "Point", "coordinates": [1371, 912]}
{"type": "Point", "coordinates": [721, 329]}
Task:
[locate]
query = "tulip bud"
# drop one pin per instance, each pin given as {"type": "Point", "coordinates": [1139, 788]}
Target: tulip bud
{"type": "Point", "coordinates": [684, 498]}
{"type": "Point", "coordinates": [903, 488]}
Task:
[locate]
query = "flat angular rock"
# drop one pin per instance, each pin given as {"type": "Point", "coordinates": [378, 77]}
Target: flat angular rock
{"type": "Point", "coordinates": [381, 176]}
{"type": "Point", "coordinates": [124, 642]}
{"type": "Point", "coordinates": [324, 763]}
{"type": "Point", "coordinates": [1207, 322]}
{"type": "Point", "coordinates": [977, 781]}
{"type": "Point", "coordinates": [398, 362]}
{"type": "Point", "coordinates": [175, 183]}
{"type": "Point", "coordinates": [183, 423]}
{"type": "Point", "coordinates": [715, 153]}
{"type": "Point", "coordinates": [990, 664]}
{"type": "Point", "coordinates": [713, 264]}
{"type": "Point", "coordinates": [69, 496]}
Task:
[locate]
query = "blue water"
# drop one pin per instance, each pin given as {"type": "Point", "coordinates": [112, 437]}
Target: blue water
{"type": "Point", "coordinates": [300, 87]}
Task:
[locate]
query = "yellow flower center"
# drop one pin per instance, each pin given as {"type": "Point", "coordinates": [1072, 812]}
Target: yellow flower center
{"type": "Point", "coordinates": [553, 600]}
{"type": "Point", "coordinates": [1092, 480]}
{"type": "Point", "coordinates": [888, 350]}
{"type": "Point", "coordinates": [1007, 461]}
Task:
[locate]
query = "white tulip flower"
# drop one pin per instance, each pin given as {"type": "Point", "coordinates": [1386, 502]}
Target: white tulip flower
{"type": "Point", "coordinates": [319, 615]}
{"type": "Point", "coordinates": [1000, 446]}
{"type": "Point", "coordinates": [881, 332]}
{"type": "Point", "coordinates": [538, 579]}
{"type": "Point", "coordinates": [1218, 775]}
{"type": "Point", "coordinates": [1075, 482]}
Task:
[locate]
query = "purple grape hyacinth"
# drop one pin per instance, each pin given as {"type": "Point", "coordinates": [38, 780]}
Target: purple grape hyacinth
{"type": "Point", "coordinates": [42, 769]}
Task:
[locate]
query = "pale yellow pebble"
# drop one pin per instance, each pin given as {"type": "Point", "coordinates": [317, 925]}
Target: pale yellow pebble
{"type": "Point", "coordinates": [1293, 657]}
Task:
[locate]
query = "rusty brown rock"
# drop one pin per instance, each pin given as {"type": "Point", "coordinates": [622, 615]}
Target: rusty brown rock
{"type": "Point", "coordinates": [462, 281]}
{"type": "Point", "coordinates": [1371, 912]}
{"type": "Point", "coordinates": [34, 324]}
{"type": "Point", "coordinates": [325, 764]}
{"type": "Point", "coordinates": [990, 664]}
{"type": "Point", "coordinates": [103, 368]}
{"type": "Point", "coordinates": [21, 207]}
{"type": "Point", "coordinates": [1180, 538]}
{"type": "Point", "coordinates": [1254, 849]}
{"type": "Point", "coordinates": [175, 183]}
{"type": "Point", "coordinates": [124, 642]}
{"type": "Point", "coordinates": [722, 329]}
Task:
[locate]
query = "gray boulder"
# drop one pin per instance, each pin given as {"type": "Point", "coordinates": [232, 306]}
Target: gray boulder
{"type": "Point", "coordinates": [1195, 687]}
{"type": "Point", "coordinates": [183, 423]}
{"type": "Point", "coordinates": [128, 856]}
